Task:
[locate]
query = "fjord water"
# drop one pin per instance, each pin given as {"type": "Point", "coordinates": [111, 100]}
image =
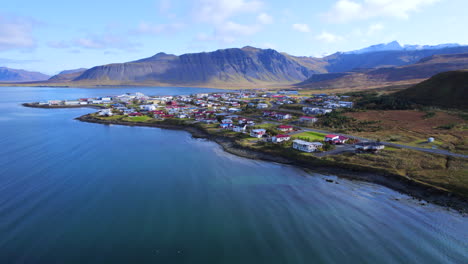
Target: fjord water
{"type": "Point", "coordinates": [73, 192]}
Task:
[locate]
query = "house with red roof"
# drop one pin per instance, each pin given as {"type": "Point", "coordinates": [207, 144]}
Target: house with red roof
{"type": "Point", "coordinates": [257, 133]}
{"type": "Point", "coordinates": [285, 128]}
{"type": "Point", "coordinates": [335, 139]}
{"type": "Point", "coordinates": [280, 138]}
{"type": "Point", "coordinates": [308, 119]}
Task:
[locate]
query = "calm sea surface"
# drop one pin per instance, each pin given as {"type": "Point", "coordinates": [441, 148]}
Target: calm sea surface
{"type": "Point", "coordinates": [73, 192]}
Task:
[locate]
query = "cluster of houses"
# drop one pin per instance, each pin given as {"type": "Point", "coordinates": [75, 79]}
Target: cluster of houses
{"type": "Point", "coordinates": [276, 115]}
{"type": "Point", "coordinates": [224, 109]}
{"type": "Point", "coordinates": [321, 104]}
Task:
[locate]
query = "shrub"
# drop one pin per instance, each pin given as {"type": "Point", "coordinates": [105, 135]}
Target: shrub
{"type": "Point", "coordinates": [447, 126]}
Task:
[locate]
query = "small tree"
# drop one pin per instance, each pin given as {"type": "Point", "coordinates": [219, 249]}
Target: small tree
{"type": "Point", "coordinates": [272, 131]}
{"type": "Point", "coordinates": [327, 146]}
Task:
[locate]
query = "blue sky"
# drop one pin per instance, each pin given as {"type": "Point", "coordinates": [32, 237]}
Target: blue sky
{"type": "Point", "coordinates": [50, 36]}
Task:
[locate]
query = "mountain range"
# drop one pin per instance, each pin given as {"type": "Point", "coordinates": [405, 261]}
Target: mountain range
{"type": "Point", "coordinates": [407, 74]}
{"type": "Point", "coordinates": [229, 66]}
{"type": "Point", "coordinates": [14, 75]}
{"type": "Point", "coordinates": [253, 67]}
{"type": "Point", "coordinates": [394, 45]}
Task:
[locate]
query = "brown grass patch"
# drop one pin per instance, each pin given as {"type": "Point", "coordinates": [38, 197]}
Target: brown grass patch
{"type": "Point", "coordinates": [411, 127]}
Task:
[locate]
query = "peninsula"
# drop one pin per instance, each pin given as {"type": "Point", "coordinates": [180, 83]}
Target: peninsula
{"type": "Point", "coordinates": [321, 132]}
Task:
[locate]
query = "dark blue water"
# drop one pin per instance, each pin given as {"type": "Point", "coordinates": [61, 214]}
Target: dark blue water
{"type": "Point", "coordinates": [73, 192]}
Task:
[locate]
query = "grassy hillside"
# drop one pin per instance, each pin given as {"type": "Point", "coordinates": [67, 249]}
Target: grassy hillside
{"type": "Point", "coordinates": [448, 89]}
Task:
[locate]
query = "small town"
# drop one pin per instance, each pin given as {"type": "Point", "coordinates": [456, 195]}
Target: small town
{"type": "Point", "coordinates": [282, 117]}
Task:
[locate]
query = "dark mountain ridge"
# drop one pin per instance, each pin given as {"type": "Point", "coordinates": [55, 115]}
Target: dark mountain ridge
{"type": "Point", "coordinates": [423, 69]}
{"type": "Point", "coordinates": [246, 65]}
{"type": "Point", "coordinates": [341, 62]}
{"type": "Point", "coordinates": [67, 75]}
{"type": "Point", "coordinates": [15, 75]}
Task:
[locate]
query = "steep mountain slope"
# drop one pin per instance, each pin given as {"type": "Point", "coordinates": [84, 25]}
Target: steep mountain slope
{"type": "Point", "coordinates": [448, 89]}
{"type": "Point", "coordinates": [394, 45]}
{"type": "Point", "coordinates": [67, 75]}
{"type": "Point", "coordinates": [413, 73]}
{"type": "Point", "coordinates": [14, 75]}
{"type": "Point", "coordinates": [341, 62]}
{"type": "Point", "coordinates": [246, 65]}
{"type": "Point", "coordinates": [377, 65]}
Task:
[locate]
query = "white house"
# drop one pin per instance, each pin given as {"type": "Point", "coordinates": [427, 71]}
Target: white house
{"type": "Point", "coordinates": [308, 119]}
{"type": "Point", "coordinates": [54, 102]}
{"type": "Point", "coordinates": [105, 112]}
{"type": "Point", "coordinates": [239, 129]}
{"type": "Point", "coordinates": [227, 121]}
{"type": "Point", "coordinates": [257, 133]}
{"type": "Point", "coordinates": [280, 138]}
{"type": "Point", "coordinates": [369, 147]}
{"type": "Point", "coordinates": [72, 102]}
{"type": "Point", "coordinates": [345, 104]}
{"type": "Point", "coordinates": [234, 110]}
{"type": "Point", "coordinates": [262, 106]}
{"type": "Point", "coordinates": [281, 116]}
{"type": "Point", "coordinates": [148, 107]}
{"type": "Point", "coordinates": [306, 146]}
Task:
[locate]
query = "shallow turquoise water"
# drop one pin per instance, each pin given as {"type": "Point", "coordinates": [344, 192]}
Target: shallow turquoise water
{"type": "Point", "coordinates": [73, 192]}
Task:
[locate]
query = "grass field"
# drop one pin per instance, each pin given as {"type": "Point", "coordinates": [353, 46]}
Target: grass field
{"type": "Point", "coordinates": [446, 172]}
{"type": "Point", "coordinates": [311, 136]}
{"type": "Point", "coordinates": [413, 128]}
{"type": "Point", "coordinates": [138, 118]}
{"type": "Point", "coordinates": [114, 117]}
{"type": "Point", "coordinates": [265, 125]}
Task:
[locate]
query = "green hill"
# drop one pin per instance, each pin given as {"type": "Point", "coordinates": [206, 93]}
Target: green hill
{"type": "Point", "coordinates": [447, 89]}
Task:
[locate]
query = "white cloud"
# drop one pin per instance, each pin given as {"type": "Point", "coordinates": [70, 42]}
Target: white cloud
{"type": "Point", "coordinates": [16, 33]}
{"type": "Point", "coordinates": [229, 32]}
{"type": "Point", "coordinates": [374, 28]}
{"type": "Point", "coordinates": [164, 6]}
{"type": "Point", "coordinates": [217, 11]}
{"type": "Point", "coordinates": [236, 29]}
{"type": "Point", "coordinates": [301, 28]}
{"type": "Point", "coordinates": [328, 37]}
{"type": "Point", "coordinates": [103, 42]}
{"type": "Point", "coordinates": [58, 44]}
{"type": "Point", "coordinates": [265, 19]}
{"type": "Point", "coordinates": [268, 45]}
{"type": "Point", "coordinates": [17, 61]}
{"type": "Point", "coordinates": [350, 10]}
{"type": "Point", "coordinates": [147, 28]}
{"type": "Point", "coordinates": [106, 41]}
{"type": "Point", "coordinates": [222, 14]}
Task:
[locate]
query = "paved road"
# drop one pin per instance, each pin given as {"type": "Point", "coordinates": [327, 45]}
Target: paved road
{"type": "Point", "coordinates": [338, 150]}
{"type": "Point", "coordinates": [434, 151]}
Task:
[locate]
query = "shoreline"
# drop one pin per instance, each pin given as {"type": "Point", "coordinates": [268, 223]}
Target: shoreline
{"type": "Point", "coordinates": [34, 105]}
{"type": "Point", "coordinates": [417, 190]}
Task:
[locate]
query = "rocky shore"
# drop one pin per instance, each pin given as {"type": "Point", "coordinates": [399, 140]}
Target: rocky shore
{"type": "Point", "coordinates": [36, 105]}
{"type": "Point", "coordinates": [399, 183]}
